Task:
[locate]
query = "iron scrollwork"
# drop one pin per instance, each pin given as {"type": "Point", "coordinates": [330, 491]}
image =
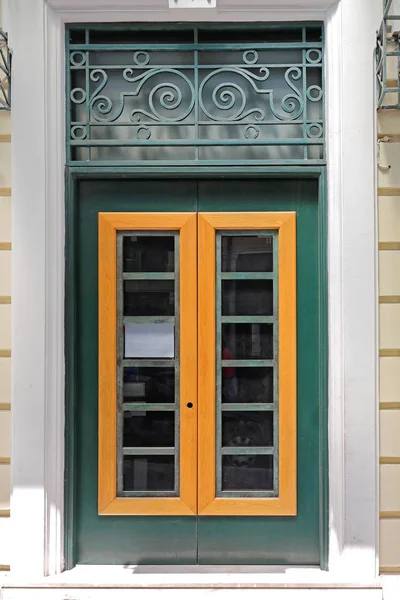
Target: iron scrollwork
{"type": "Point", "coordinates": [5, 72]}
{"type": "Point", "coordinates": [246, 101]}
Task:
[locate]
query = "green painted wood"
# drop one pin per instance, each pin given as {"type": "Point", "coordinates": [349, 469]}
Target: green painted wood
{"type": "Point", "coordinates": [148, 276]}
{"type": "Point", "coordinates": [111, 540]}
{"type": "Point", "coordinates": [252, 407]}
{"type": "Point", "coordinates": [246, 319]}
{"type": "Point", "coordinates": [236, 450]}
{"type": "Point", "coordinates": [139, 451]}
{"type": "Point", "coordinates": [280, 540]}
{"type": "Point", "coordinates": [133, 406]}
{"type": "Point", "coordinates": [91, 539]}
{"type": "Point", "coordinates": [237, 275]}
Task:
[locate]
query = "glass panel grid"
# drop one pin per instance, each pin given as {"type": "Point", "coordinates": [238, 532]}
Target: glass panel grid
{"type": "Point", "coordinates": [252, 96]}
{"type": "Point", "coordinates": [153, 456]}
{"type": "Point", "coordinates": [222, 407]}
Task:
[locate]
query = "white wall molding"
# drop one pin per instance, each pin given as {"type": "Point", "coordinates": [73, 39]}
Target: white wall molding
{"type": "Point", "coordinates": [55, 227]}
{"type": "Point", "coordinates": [36, 36]}
{"type": "Point", "coordinates": [334, 68]}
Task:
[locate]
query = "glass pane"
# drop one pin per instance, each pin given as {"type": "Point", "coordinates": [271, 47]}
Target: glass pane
{"type": "Point", "coordinates": [251, 253]}
{"type": "Point", "coordinates": [252, 473]}
{"type": "Point", "coordinates": [247, 297]}
{"type": "Point", "coordinates": [150, 254]}
{"type": "Point", "coordinates": [149, 298]}
{"type": "Point", "coordinates": [247, 341]}
{"type": "Point", "coordinates": [149, 384]}
{"type": "Point", "coordinates": [246, 429]}
{"type": "Point", "coordinates": [148, 473]}
{"type": "Point", "coordinates": [149, 340]}
{"type": "Point", "coordinates": [247, 384]}
{"type": "Point", "coordinates": [151, 429]}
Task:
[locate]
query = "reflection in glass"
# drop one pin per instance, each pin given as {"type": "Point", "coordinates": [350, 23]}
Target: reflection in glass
{"type": "Point", "coordinates": [149, 340]}
{"type": "Point", "coordinates": [247, 384]}
{"type": "Point", "coordinates": [246, 429]}
{"type": "Point", "coordinates": [247, 297]}
{"type": "Point", "coordinates": [149, 429]}
{"type": "Point", "coordinates": [150, 254]}
{"type": "Point", "coordinates": [242, 341]}
{"type": "Point", "coordinates": [149, 384]}
{"type": "Point", "coordinates": [148, 473]}
{"type": "Point", "coordinates": [250, 253]}
{"type": "Point", "coordinates": [148, 298]}
{"type": "Point", "coordinates": [247, 472]}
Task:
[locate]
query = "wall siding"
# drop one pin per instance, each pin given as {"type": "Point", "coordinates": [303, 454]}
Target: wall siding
{"type": "Point", "coordinates": [5, 334]}
{"type": "Point", "coordinates": [389, 333]}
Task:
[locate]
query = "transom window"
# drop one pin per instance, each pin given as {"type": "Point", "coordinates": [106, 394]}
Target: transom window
{"type": "Point", "coordinates": [195, 95]}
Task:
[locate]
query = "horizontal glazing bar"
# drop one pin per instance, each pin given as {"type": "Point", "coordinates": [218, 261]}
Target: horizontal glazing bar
{"type": "Point", "coordinates": [248, 407]}
{"type": "Point", "coordinates": [257, 232]}
{"type": "Point", "coordinates": [127, 320]}
{"type": "Point", "coordinates": [144, 276]}
{"type": "Point", "coordinates": [217, 143]}
{"type": "Point", "coordinates": [129, 362]}
{"type": "Point", "coordinates": [191, 123]}
{"type": "Point", "coordinates": [191, 67]}
{"type": "Point", "coordinates": [148, 164]}
{"type": "Point", "coordinates": [238, 275]}
{"type": "Point", "coordinates": [148, 494]}
{"type": "Point", "coordinates": [147, 451]}
{"type": "Point", "coordinates": [199, 28]}
{"type": "Point", "coordinates": [246, 450]}
{"type": "Point", "coordinates": [247, 319]}
{"type": "Point", "coordinates": [247, 494]}
{"type": "Point", "coordinates": [133, 406]}
{"type": "Point", "coordinates": [205, 47]}
{"type": "Point", "coordinates": [247, 363]}
{"type": "Point", "coordinates": [86, 171]}
{"type": "Point", "coordinates": [146, 232]}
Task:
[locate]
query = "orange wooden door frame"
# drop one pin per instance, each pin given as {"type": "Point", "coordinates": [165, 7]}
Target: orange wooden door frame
{"type": "Point", "coordinates": [108, 501]}
{"type": "Point", "coordinates": [197, 367]}
{"type": "Point", "coordinates": [286, 501]}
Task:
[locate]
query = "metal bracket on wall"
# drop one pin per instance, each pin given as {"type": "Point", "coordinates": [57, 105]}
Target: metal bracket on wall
{"type": "Point", "coordinates": [5, 72]}
{"type": "Point", "coordinates": [388, 60]}
{"type": "Point", "coordinates": [383, 140]}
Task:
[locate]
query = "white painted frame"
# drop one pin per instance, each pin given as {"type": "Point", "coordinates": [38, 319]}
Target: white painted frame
{"type": "Point", "coordinates": [36, 29]}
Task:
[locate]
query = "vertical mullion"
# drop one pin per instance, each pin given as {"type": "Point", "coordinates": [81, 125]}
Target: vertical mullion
{"type": "Point", "coordinates": [323, 90]}
{"type": "Point", "coordinates": [68, 97]}
{"type": "Point", "coordinates": [119, 363]}
{"type": "Point", "coordinates": [218, 351]}
{"type": "Point", "coordinates": [275, 334]}
{"type": "Point", "coordinates": [196, 91]}
{"type": "Point", "coordinates": [304, 57]}
{"type": "Point", "coordinates": [177, 361]}
{"type": "Point", "coordinates": [87, 103]}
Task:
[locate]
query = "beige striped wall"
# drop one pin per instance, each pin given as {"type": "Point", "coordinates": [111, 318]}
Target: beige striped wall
{"type": "Point", "coordinates": [5, 334]}
{"type": "Point", "coordinates": [389, 332]}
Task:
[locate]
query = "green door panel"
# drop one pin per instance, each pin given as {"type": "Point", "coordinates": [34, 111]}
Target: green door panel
{"type": "Point", "coordinates": [278, 540]}
{"type": "Point", "coordinates": [116, 540]}
{"type": "Point", "coordinates": [188, 540]}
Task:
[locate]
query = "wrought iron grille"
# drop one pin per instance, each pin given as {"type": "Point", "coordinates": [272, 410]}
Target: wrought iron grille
{"type": "Point", "coordinates": [5, 72]}
{"type": "Point", "coordinates": [195, 95]}
{"type": "Point", "coordinates": [388, 59]}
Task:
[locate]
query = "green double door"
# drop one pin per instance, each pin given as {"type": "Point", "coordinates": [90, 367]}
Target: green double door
{"type": "Point", "coordinates": [189, 540]}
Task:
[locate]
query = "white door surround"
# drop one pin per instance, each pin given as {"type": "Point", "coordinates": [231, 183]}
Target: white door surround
{"type": "Point", "coordinates": [36, 31]}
